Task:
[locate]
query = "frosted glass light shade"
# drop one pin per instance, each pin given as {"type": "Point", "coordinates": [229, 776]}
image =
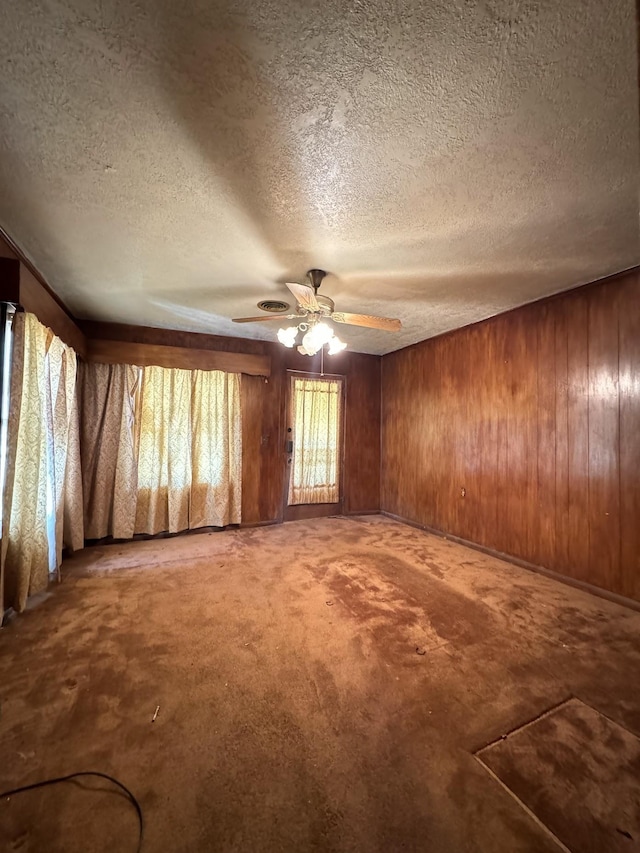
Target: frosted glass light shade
{"type": "Point", "coordinates": [310, 342]}
{"type": "Point", "coordinates": [288, 336]}
{"type": "Point", "coordinates": [314, 338]}
{"type": "Point", "coordinates": [322, 333]}
{"type": "Point", "coordinates": [336, 345]}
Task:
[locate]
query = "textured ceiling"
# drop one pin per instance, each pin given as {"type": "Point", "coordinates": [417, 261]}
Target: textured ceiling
{"type": "Point", "coordinates": [170, 164]}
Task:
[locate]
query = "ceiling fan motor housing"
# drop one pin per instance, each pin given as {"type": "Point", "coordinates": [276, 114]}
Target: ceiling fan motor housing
{"type": "Point", "coordinates": [327, 306]}
{"type": "Point", "coordinates": [315, 277]}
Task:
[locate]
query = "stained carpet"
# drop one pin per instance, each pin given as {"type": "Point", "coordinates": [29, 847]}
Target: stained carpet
{"type": "Point", "coordinates": [577, 771]}
{"type": "Point", "coordinates": [322, 685]}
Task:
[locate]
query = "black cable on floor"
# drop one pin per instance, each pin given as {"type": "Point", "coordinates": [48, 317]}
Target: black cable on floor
{"type": "Point", "coordinates": [71, 776]}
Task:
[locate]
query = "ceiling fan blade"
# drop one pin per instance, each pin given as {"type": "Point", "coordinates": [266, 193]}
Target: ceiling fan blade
{"type": "Point", "coordinates": [385, 323]}
{"type": "Point", "coordinates": [263, 319]}
{"type": "Point", "coordinates": [305, 295]}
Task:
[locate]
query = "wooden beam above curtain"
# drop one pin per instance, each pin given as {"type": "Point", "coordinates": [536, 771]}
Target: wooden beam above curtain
{"type": "Point", "coordinates": [187, 358]}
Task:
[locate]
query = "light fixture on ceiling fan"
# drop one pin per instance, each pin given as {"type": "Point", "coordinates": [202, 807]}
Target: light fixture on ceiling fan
{"type": "Point", "coordinates": [313, 311]}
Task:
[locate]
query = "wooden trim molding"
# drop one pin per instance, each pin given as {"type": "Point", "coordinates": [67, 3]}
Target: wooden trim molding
{"type": "Point", "coordinates": [38, 300]}
{"type": "Point", "coordinates": [98, 330]}
{"type": "Point", "coordinates": [187, 358]}
{"type": "Point", "coordinates": [304, 512]}
{"type": "Point", "coordinates": [10, 280]}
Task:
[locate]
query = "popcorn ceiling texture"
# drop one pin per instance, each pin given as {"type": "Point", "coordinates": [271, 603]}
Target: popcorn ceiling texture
{"type": "Point", "coordinates": [170, 164]}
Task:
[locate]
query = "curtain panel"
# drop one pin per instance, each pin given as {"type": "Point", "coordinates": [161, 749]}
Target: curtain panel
{"type": "Point", "coordinates": [109, 470]}
{"type": "Point", "coordinates": [162, 449]}
{"type": "Point", "coordinates": [42, 502]}
{"type": "Point", "coordinates": [316, 441]}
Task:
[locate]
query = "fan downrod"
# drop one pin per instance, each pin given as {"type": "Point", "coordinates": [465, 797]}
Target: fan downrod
{"type": "Point", "coordinates": [316, 276]}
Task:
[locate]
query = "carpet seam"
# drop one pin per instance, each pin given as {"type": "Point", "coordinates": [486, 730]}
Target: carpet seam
{"type": "Point", "coordinates": [528, 723]}
{"type": "Point", "coordinates": [524, 806]}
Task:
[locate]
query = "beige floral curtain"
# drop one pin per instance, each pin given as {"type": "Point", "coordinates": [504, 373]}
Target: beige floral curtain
{"type": "Point", "coordinates": [65, 478]}
{"type": "Point", "coordinates": [176, 462]}
{"type": "Point", "coordinates": [190, 450]}
{"type": "Point", "coordinates": [42, 506]}
{"type": "Point", "coordinates": [316, 441]}
{"type": "Point", "coordinates": [109, 453]}
{"type": "Point", "coordinates": [164, 451]}
{"type": "Point", "coordinates": [216, 490]}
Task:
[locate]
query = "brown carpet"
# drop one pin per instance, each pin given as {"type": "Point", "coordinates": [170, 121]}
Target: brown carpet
{"type": "Point", "coordinates": [323, 685]}
{"type": "Point", "coordinates": [577, 771]}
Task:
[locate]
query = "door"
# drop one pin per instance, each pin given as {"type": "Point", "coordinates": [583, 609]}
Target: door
{"type": "Point", "coordinates": [315, 412]}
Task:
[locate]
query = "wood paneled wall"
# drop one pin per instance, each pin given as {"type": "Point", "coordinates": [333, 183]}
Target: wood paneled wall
{"type": "Point", "coordinates": [38, 299]}
{"type": "Point", "coordinates": [263, 415]}
{"type": "Point", "coordinates": [185, 358]}
{"type": "Point", "coordinates": [535, 414]}
{"type": "Point", "coordinates": [9, 279]}
{"type": "Point", "coordinates": [35, 296]}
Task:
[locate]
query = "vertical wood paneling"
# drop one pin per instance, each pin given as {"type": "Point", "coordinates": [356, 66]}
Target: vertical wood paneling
{"type": "Point", "coordinates": [265, 463]}
{"type": "Point", "coordinates": [531, 524]}
{"type": "Point", "coordinates": [251, 402]}
{"type": "Point", "coordinates": [537, 414]}
{"type": "Point", "coordinates": [390, 439]}
{"type": "Point", "coordinates": [476, 440]}
{"type": "Point", "coordinates": [9, 280]}
{"type": "Point", "coordinates": [629, 388]}
{"type": "Point", "coordinates": [576, 530]}
{"type": "Point", "coordinates": [454, 375]}
{"type": "Point", "coordinates": [604, 439]}
{"type": "Point", "coordinates": [521, 525]}
{"type": "Point", "coordinates": [498, 411]}
{"type": "Point", "coordinates": [526, 371]}
{"type": "Point", "coordinates": [437, 496]}
{"type": "Point", "coordinates": [545, 552]}
{"type": "Point", "coordinates": [562, 311]}
{"type": "Point", "coordinates": [362, 435]}
{"type": "Point", "coordinates": [486, 461]}
{"type": "Point", "coordinates": [263, 427]}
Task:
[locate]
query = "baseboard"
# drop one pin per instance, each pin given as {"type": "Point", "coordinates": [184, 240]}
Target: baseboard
{"type": "Point", "coordinates": [273, 521]}
{"type": "Point", "coordinates": [523, 564]}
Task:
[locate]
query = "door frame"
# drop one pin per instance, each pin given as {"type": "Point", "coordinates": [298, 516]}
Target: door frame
{"type": "Point", "coordinates": [301, 511]}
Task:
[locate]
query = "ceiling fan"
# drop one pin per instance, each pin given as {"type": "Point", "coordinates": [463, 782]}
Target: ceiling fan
{"type": "Point", "coordinates": [312, 311]}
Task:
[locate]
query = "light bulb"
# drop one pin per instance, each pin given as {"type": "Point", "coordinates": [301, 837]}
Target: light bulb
{"type": "Point", "coordinates": [336, 345]}
{"type": "Point", "coordinates": [322, 333]}
{"type": "Point", "coordinates": [310, 342]}
{"type": "Point", "coordinates": [288, 336]}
